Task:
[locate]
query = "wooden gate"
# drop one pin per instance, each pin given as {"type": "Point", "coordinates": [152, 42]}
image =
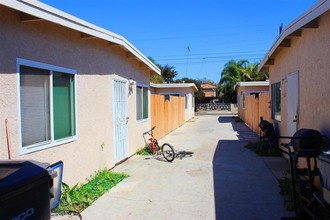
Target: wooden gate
{"type": "Point", "coordinates": [256, 107]}
{"type": "Point", "coordinates": [166, 115]}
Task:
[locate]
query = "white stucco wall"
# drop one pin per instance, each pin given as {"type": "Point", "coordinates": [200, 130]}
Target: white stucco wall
{"type": "Point", "coordinates": [96, 63]}
{"type": "Point", "coordinates": [309, 56]}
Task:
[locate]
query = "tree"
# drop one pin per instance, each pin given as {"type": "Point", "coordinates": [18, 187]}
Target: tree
{"type": "Point", "coordinates": [230, 75]}
{"type": "Point", "coordinates": [157, 79]}
{"type": "Point", "coordinates": [251, 73]}
{"type": "Point", "coordinates": [207, 81]}
{"type": "Point", "coordinates": [238, 71]}
{"type": "Point", "coordinates": [168, 73]}
{"type": "Point", "coordinates": [199, 95]}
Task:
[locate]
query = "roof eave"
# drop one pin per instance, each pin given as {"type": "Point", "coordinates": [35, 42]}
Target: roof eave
{"type": "Point", "coordinates": [48, 13]}
{"type": "Point", "coordinates": [308, 17]}
{"type": "Point", "coordinates": [253, 83]}
{"type": "Point", "coordinates": [174, 85]}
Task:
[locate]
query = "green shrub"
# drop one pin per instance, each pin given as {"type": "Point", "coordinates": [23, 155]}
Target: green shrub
{"type": "Point", "coordinates": [263, 149]}
{"type": "Point", "coordinates": [144, 151]}
{"type": "Point", "coordinates": [80, 197]}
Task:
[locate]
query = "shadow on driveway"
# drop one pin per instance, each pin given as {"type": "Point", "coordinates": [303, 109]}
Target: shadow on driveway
{"type": "Point", "coordinates": [244, 187]}
{"type": "Point", "coordinates": [242, 131]}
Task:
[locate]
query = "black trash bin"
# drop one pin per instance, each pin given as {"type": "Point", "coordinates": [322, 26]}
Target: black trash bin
{"type": "Point", "coordinates": [24, 191]}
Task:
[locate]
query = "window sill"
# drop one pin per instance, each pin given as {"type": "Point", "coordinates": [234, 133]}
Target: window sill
{"type": "Point", "coordinates": [142, 120]}
{"type": "Point", "coordinates": [46, 145]}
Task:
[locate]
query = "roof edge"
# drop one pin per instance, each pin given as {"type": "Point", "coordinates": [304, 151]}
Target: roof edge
{"type": "Point", "coordinates": [315, 11]}
{"type": "Point", "coordinates": [174, 85]}
{"type": "Point", "coordinates": [54, 15]}
{"type": "Point", "coordinates": [252, 83]}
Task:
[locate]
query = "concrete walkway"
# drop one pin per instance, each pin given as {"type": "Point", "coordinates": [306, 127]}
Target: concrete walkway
{"type": "Point", "coordinates": [223, 180]}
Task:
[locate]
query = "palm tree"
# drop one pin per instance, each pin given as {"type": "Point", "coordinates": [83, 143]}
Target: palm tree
{"type": "Point", "coordinates": [238, 71]}
{"type": "Point", "coordinates": [230, 75]}
{"type": "Point", "coordinates": [251, 73]}
{"type": "Point", "coordinates": [233, 72]}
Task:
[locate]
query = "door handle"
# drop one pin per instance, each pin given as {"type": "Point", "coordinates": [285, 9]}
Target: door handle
{"type": "Point", "coordinates": [295, 118]}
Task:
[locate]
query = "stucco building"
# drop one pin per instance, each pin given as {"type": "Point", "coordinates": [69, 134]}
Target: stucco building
{"type": "Point", "coordinates": [210, 92]}
{"type": "Point", "coordinates": [69, 90]}
{"type": "Point", "coordinates": [298, 66]}
{"type": "Point", "coordinates": [186, 90]}
{"type": "Point", "coordinates": [245, 89]}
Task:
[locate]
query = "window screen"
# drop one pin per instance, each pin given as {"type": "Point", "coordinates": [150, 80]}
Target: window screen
{"type": "Point", "coordinates": [276, 100]}
{"type": "Point", "coordinates": [35, 105]}
{"type": "Point", "coordinates": [46, 118]}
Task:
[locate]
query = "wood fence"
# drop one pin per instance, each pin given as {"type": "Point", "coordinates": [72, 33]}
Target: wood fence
{"type": "Point", "coordinates": [166, 115]}
{"type": "Point", "coordinates": [256, 107]}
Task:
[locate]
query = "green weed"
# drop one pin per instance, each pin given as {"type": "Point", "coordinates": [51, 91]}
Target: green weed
{"type": "Point", "coordinates": [145, 151]}
{"type": "Point", "coordinates": [263, 149]}
{"type": "Point", "coordinates": [81, 196]}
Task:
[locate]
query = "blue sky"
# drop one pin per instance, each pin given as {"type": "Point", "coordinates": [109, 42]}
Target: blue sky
{"type": "Point", "coordinates": [215, 31]}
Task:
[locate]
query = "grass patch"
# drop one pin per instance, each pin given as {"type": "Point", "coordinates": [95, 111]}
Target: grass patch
{"type": "Point", "coordinates": [79, 197]}
{"type": "Point", "coordinates": [145, 151]}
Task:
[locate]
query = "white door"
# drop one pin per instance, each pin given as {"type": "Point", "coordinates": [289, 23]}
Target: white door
{"type": "Point", "coordinates": [292, 103]}
{"type": "Point", "coordinates": [189, 106]}
{"type": "Point", "coordinates": [120, 119]}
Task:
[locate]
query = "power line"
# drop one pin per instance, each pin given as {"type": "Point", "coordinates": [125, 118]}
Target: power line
{"type": "Point", "coordinates": [213, 61]}
{"type": "Point", "coordinates": [211, 57]}
{"type": "Point", "coordinates": [206, 54]}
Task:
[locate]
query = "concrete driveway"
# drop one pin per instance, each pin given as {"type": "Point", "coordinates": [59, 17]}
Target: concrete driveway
{"type": "Point", "coordinates": [223, 180]}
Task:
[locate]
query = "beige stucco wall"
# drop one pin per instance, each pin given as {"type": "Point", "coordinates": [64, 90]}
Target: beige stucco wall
{"type": "Point", "coordinates": [182, 91]}
{"type": "Point", "coordinates": [96, 64]}
{"type": "Point", "coordinates": [309, 55]}
{"type": "Point", "coordinates": [241, 90]}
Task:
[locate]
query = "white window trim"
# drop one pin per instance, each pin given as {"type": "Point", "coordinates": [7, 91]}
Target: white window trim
{"type": "Point", "coordinates": [52, 142]}
{"type": "Point", "coordinates": [193, 101]}
{"type": "Point", "coordinates": [186, 101]}
{"type": "Point", "coordinates": [149, 102]}
{"type": "Point", "coordinates": [277, 116]}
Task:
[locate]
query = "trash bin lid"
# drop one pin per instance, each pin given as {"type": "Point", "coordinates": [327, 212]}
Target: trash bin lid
{"type": "Point", "coordinates": [17, 174]}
